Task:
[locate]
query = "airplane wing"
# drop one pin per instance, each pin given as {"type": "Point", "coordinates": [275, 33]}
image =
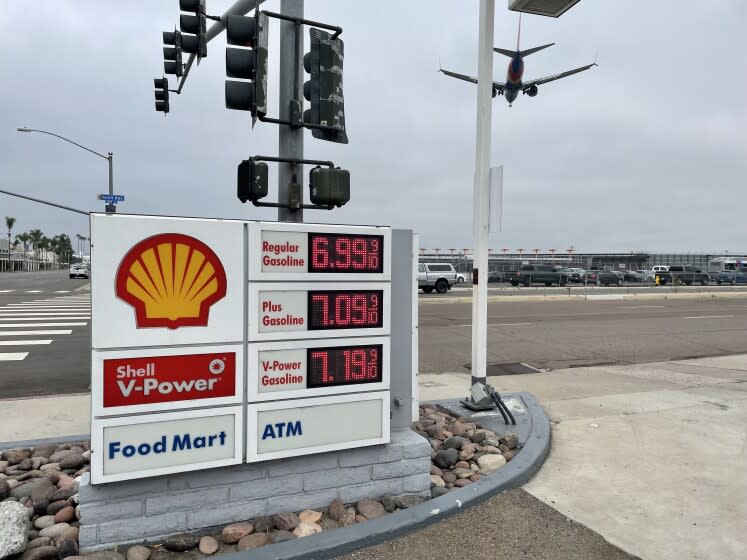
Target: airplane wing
{"type": "Point", "coordinates": [530, 83]}
{"type": "Point", "coordinates": [497, 86]}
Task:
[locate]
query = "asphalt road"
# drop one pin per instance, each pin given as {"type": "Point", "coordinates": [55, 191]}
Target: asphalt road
{"type": "Point", "coordinates": [542, 334]}
{"type": "Point", "coordinates": [558, 334]}
{"type": "Point", "coordinates": [53, 355]}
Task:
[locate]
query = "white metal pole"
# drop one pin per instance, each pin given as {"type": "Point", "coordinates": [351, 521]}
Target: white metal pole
{"type": "Point", "coordinates": [481, 199]}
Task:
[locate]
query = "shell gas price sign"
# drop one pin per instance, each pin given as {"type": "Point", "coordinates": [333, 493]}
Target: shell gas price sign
{"type": "Point", "coordinates": [160, 379]}
{"type": "Point", "coordinates": [308, 368]}
{"type": "Point", "coordinates": [286, 251]}
{"type": "Point", "coordinates": [290, 310]}
{"type": "Point", "coordinates": [166, 281]}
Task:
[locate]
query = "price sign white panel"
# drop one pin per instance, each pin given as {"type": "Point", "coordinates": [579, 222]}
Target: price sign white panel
{"type": "Point", "coordinates": [156, 444]}
{"type": "Point", "coordinates": [162, 379]}
{"type": "Point", "coordinates": [316, 425]}
{"type": "Point", "coordinates": [285, 251]}
{"type": "Point", "coordinates": [293, 310]}
{"type": "Point", "coordinates": [308, 368]}
{"type": "Point", "coordinates": [166, 281]}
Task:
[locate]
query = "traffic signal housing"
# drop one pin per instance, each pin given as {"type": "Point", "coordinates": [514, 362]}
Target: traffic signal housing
{"type": "Point", "coordinates": [329, 186]}
{"type": "Point", "coordinates": [252, 183]}
{"type": "Point", "coordinates": [162, 94]}
{"type": "Point", "coordinates": [172, 55]}
{"type": "Point", "coordinates": [247, 63]}
{"type": "Point", "coordinates": [193, 27]}
{"type": "Point", "coordinates": [324, 88]}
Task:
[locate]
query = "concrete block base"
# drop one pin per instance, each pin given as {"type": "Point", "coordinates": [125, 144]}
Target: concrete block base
{"type": "Point", "coordinates": [150, 509]}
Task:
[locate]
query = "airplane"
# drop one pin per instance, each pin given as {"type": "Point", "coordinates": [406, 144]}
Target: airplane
{"type": "Point", "coordinates": [513, 85]}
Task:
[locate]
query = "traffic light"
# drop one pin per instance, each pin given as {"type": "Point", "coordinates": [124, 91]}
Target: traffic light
{"type": "Point", "coordinates": [172, 63]}
{"type": "Point", "coordinates": [193, 27]}
{"type": "Point", "coordinates": [162, 94]}
{"type": "Point", "coordinates": [329, 187]}
{"type": "Point", "coordinates": [252, 181]}
{"type": "Point", "coordinates": [324, 90]}
{"type": "Point", "coordinates": [247, 63]}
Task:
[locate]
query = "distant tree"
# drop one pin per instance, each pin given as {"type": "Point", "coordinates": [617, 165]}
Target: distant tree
{"type": "Point", "coordinates": [9, 222]}
{"type": "Point", "coordinates": [61, 246]}
{"type": "Point", "coordinates": [44, 245]}
{"type": "Point", "coordinates": [35, 237]}
{"type": "Point", "coordinates": [23, 238]}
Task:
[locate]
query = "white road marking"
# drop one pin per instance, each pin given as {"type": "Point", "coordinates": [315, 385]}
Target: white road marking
{"type": "Point", "coordinates": [489, 324]}
{"type": "Point", "coordinates": [65, 318]}
{"type": "Point", "coordinates": [34, 325]}
{"type": "Point", "coordinates": [710, 317]}
{"type": "Point", "coordinates": [641, 306]}
{"type": "Point", "coordinates": [11, 313]}
{"type": "Point", "coordinates": [24, 342]}
{"type": "Point", "coordinates": [531, 367]}
{"type": "Point", "coordinates": [6, 291]}
{"type": "Point", "coordinates": [33, 292]}
{"type": "Point", "coordinates": [13, 356]}
{"type": "Point", "coordinates": [62, 291]}
{"type": "Point", "coordinates": [33, 333]}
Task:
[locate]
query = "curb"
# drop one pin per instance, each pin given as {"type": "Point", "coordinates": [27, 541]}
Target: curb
{"type": "Point", "coordinates": [348, 539]}
{"type": "Point", "coordinates": [43, 441]}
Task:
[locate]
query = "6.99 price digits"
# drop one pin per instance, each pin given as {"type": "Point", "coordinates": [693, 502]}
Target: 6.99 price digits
{"type": "Point", "coordinates": [332, 252]}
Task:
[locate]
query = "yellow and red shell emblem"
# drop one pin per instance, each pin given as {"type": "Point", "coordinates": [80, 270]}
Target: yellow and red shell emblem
{"type": "Point", "coordinates": [171, 280]}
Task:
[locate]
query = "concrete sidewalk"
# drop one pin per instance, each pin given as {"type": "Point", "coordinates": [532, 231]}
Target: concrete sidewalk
{"type": "Point", "coordinates": [650, 456]}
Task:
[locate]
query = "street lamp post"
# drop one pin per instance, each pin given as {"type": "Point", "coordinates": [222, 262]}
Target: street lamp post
{"type": "Point", "coordinates": [109, 208]}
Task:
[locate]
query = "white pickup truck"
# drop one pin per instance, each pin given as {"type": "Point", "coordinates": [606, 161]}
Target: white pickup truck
{"type": "Point", "coordinates": [438, 276]}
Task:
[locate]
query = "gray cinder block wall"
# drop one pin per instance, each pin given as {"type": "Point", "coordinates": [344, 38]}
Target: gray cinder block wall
{"type": "Point", "coordinates": [149, 509]}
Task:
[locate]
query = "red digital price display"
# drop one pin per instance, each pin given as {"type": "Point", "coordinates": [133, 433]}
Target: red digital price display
{"type": "Point", "coordinates": [345, 309]}
{"type": "Point", "coordinates": [343, 365]}
{"type": "Point", "coordinates": [335, 252]}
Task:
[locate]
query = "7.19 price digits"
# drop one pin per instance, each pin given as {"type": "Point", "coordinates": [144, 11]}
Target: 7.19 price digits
{"type": "Point", "coordinates": [344, 365]}
{"type": "Point", "coordinates": [331, 252]}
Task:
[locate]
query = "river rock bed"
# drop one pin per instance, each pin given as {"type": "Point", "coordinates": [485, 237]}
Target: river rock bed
{"type": "Point", "coordinates": [39, 513]}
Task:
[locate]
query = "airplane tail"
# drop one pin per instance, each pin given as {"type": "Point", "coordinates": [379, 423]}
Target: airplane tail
{"type": "Point", "coordinates": [527, 52]}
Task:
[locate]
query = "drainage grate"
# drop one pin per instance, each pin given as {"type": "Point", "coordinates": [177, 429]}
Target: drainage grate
{"type": "Point", "coordinates": [509, 369]}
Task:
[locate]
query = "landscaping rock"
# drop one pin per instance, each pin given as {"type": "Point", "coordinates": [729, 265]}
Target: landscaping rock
{"type": "Point", "coordinates": [348, 518]}
{"type": "Point", "coordinates": [53, 531]}
{"type": "Point", "coordinates": [285, 521]}
{"type": "Point", "coordinates": [437, 492]}
{"type": "Point", "coordinates": [72, 461]}
{"type": "Point", "coordinates": [490, 463]}
{"type": "Point", "coordinates": [462, 482]}
{"type": "Point", "coordinates": [15, 456]}
{"type": "Point", "coordinates": [408, 500]}
{"type": "Point", "coordinates": [235, 532]}
{"type": "Point", "coordinates": [107, 555]}
{"type": "Point", "coordinates": [449, 477]}
{"type": "Point", "coordinates": [436, 471]}
{"type": "Point", "coordinates": [437, 481]}
{"type": "Point", "coordinates": [13, 525]}
{"type": "Point", "coordinates": [510, 440]}
{"type": "Point", "coordinates": [255, 541]}
{"type": "Point", "coordinates": [370, 509]}
{"type": "Point", "coordinates": [306, 529]}
{"type": "Point", "coordinates": [181, 542]}
{"type": "Point", "coordinates": [310, 516]}
{"type": "Point", "coordinates": [4, 489]}
{"type": "Point", "coordinates": [44, 521]}
{"type": "Point", "coordinates": [446, 458]}
{"type": "Point", "coordinates": [208, 545]}
{"type": "Point", "coordinates": [39, 541]}
{"type": "Point", "coordinates": [67, 548]}
{"type": "Point", "coordinates": [454, 442]}
{"type": "Point", "coordinates": [282, 536]}
{"type": "Point", "coordinates": [40, 553]}
{"type": "Point", "coordinates": [64, 515]}
{"type": "Point", "coordinates": [138, 552]}
{"type": "Point", "coordinates": [263, 525]}
{"type": "Point", "coordinates": [336, 509]}
{"type": "Point", "coordinates": [388, 503]}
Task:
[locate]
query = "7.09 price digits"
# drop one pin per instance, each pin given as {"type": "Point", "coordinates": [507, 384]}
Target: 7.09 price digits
{"type": "Point", "coordinates": [345, 309]}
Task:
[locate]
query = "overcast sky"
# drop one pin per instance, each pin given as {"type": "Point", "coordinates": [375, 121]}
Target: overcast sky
{"type": "Point", "coordinates": [646, 152]}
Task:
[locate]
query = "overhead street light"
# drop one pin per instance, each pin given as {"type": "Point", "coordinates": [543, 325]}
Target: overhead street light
{"type": "Point", "coordinates": [552, 8]}
{"type": "Point", "coordinates": [110, 208]}
{"type": "Point", "coordinates": [481, 198]}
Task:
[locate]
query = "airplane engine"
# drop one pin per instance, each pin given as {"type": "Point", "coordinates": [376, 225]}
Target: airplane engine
{"type": "Point", "coordinates": [532, 91]}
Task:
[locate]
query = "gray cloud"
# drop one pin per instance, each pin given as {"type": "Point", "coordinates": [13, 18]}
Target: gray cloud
{"type": "Point", "coordinates": [648, 151]}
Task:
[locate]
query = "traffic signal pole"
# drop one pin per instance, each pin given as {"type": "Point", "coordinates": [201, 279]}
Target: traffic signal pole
{"type": "Point", "coordinates": [290, 139]}
{"type": "Point", "coordinates": [481, 202]}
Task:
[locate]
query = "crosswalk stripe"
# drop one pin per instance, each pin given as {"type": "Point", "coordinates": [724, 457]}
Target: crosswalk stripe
{"type": "Point", "coordinates": [62, 291]}
{"type": "Point", "coordinates": [34, 325]}
{"type": "Point", "coordinates": [4, 313]}
{"type": "Point", "coordinates": [6, 291]}
{"type": "Point", "coordinates": [65, 318]}
{"type": "Point", "coordinates": [13, 356]}
{"type": "Point", "coordinates": [33, 333]}
{"type": "Point", "coordinates": [33, 291]}
{"type": "Point", "coordinates": [24, 342]}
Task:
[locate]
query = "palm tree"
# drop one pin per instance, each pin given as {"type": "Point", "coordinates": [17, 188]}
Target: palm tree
{"type": "Point", "coordinates": [80, 239]}
{"type": "Point", "coordinates": [35, 236]}
{"type": "Point", "coordinates": [9, 222]}
{"type": "Point", "coordinates": [23, 238]}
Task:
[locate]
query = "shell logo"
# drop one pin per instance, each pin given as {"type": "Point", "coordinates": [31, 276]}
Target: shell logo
{"type": "Point", "coordinates": [171, 280]}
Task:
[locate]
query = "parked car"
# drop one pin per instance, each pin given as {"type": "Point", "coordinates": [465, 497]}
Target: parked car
{"type": "Point", "coordinates": [732, 277]}
{"type": "Point", "coordinates": [590, 277]}
{"type": "Point", "coordinates": [78, 271]}
{"type": "Point", "coordinates": [632, 276]}
{"type": "Point", "coordinates": [660, 268]}
{"type": "Point", "coordinates": [683, 274]}
{"type": "Point", "coordinates": [498, 276]}
{"type": "Point", "coordinates": [460, 278]}
{"type": "Point", "coordinates": [575, 275]}
{"type": "Point", "coordinates": [646, 275]}
{"type": "Point", "coordinates": [438, 276]}
{"type": "Point", "coordinates": [609, 277]}
{"type": "Point", "coordinates": [539, 273]}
